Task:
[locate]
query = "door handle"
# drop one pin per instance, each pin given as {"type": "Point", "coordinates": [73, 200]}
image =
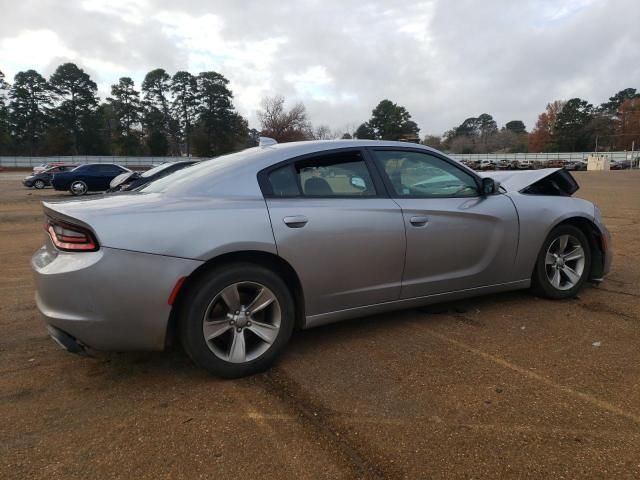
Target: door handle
{"type": "Point", "coordinates": [419, 221]}
{"type": "Point", "coordinates": [297, 221]}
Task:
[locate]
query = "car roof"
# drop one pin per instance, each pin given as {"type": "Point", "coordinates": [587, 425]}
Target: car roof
{"type": "Point", "coordinates": [98, 163]}
{"type": "Point", "coordinates": [234, 175]}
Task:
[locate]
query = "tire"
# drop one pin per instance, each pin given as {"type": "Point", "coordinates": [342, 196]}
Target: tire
{"type": "Point", "coordinates": [560, 271]}
{"type": "Point", "coordinates": [240, 344]}
{"type": "Point", "coordinates": [78, 188]}
{"type": "Point", "coordinates": [39, 184]}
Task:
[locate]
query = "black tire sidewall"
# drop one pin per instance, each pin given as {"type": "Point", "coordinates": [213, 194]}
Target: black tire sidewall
{"type": "Point", "coordinates": [196, 301]}
{"type": "Point", "coordinates": [541, 283]}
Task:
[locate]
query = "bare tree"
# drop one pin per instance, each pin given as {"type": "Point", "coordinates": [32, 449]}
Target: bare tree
{"type": "Point", "coordinates": [323, 132]}
{"type": "Point", "coordinates": [347, 131]}
{"type": "Point", "coordinates": [282, 125]}
{"type": "Point", "coordinates": [433, 141]}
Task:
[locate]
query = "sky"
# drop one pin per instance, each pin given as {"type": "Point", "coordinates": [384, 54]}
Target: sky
{"type": "Point", "coordinates": [443, 60]}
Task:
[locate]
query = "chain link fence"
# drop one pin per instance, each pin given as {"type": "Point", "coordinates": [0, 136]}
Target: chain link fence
{"type": "Point", "coordinates": [543, 157]}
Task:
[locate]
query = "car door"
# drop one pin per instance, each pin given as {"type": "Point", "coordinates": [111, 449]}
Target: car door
{"type": "Point", "coordinates": [456, 238]}
{"type": "Point", "coordinates": [333, 223]}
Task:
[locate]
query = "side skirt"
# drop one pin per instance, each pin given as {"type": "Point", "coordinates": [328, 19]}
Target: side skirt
{"type": "Point", "coordinates": [331, 317]}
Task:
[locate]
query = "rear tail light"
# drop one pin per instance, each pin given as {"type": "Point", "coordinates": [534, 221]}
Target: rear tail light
{"type": "Point", "coordinates": [70, 238]}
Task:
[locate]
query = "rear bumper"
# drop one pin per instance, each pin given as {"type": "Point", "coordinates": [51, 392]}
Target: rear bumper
{"type": "Point", "coordinates": [113, 300]}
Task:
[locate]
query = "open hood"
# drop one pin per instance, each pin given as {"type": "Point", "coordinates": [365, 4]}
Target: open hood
{"type": "Point", "coordinates": [547, 181]}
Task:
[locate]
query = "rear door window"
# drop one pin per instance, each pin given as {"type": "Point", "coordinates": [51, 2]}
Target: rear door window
{"type": "Point", "coordinates": [341, 174]}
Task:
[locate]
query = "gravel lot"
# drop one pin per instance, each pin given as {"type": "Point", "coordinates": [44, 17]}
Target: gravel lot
{"type": "Point", "coordinates": [500, 386]}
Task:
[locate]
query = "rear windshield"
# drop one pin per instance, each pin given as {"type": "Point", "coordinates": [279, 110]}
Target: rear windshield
{"type": "Point", "coordinates": [156, 169]}
{"type": "Point", "coordinates": [202, 170]}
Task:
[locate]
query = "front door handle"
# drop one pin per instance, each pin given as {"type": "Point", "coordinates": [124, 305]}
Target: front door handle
{"type": "Point", "coordinates": [419, 221]}
{"type": "Point", "coordinates": [297, 221]}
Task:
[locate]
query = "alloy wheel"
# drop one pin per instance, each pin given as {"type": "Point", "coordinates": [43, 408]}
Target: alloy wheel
{"type": "Point", "coordinates": [242, 322]}
{"type": "Point", "coordinates": [564, 262]}
{"type": "Point", "coordinates": [78, 188]}
{"type": "Point", "coordinates": [39, 184]}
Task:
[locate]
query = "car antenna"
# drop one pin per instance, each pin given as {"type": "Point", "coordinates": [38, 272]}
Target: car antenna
{"type": "Point", "coordinates": [266, 141]}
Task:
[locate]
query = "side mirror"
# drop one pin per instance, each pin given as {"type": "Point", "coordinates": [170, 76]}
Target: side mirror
{"type": "Point", "coordinates": [358, 182]}
{"type": "Point", "coordinates": [488, 186]}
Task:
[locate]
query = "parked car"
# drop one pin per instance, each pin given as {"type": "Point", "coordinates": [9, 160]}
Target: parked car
{"type": "Point", "coordinates": [87, 178]}
{"type": "Point", "coordinates": [131, 180]}
{"type": "Point", "coordinates": [615, 165]}
{"type": "Point", "coordinates": [43, 179]}
{"type": "Point", "coordinates": [620, 164]}
{"type": "Point", "coordinates": [46, 166]}
{"type": "Point", "coordinates": [487, 165]}
{"type": "Point", "coordinates": [472, 164]}
{"type": "Point", "coordinates": [232, 255]}
{"type": "Point", "coordinates": [524, 165]}
{"type": "Point", "coordinates": [576, 165]}
{"type": "Point", "coordinates": [504, 164]}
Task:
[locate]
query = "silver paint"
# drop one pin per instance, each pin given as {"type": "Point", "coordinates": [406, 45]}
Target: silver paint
{"type": "Point", "coordinates": [353, 257]}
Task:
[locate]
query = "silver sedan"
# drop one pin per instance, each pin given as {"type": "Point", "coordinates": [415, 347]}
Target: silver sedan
{"type": "Point", "coordinates": [231, 255]}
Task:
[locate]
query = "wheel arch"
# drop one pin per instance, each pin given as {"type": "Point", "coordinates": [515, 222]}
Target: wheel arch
{"type": "Point", "coordinates": [594, 236]}
{"type": "Point", "coordinates": [256, 257]}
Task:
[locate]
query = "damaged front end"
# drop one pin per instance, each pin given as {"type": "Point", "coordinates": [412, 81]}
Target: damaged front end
{"type": "Point", "coordinates": [536, 195]}
{"type": "Point", "coordinates": [559, 183]}
{"type": "Point", "coordinates": [547, 181]}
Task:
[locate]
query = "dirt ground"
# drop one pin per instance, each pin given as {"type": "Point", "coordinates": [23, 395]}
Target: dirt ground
{"type": "Point", "coordinates": [500, 386]}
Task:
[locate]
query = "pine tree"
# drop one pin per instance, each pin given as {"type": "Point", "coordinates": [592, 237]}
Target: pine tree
{"type": "Point", "coordinates": [29, 110]}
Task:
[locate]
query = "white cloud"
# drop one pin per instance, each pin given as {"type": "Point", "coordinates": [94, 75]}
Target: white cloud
{"type": "Point", "coordinates": [30, 49]}
{"type": "Point", "coordinates": [245, 63]}
{"type": "Point", "coordinates": [132, 11]}
{"type": "Point", "coordinates": [444, 61]}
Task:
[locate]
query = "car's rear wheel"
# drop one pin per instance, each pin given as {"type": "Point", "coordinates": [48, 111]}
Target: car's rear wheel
{"type": "Point", "coordinates": [39, 184]}
{"type": "Point", "coordinates": [563, 264]}
{"type": "Point", "coordinates": [234, 321]}
{"type": "Point", "coordinates": [78, 188]}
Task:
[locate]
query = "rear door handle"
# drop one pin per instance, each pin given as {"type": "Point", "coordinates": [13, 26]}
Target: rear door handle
{"type": "Point", "coordinates": [297, 221]}
{"type": "Point", "coordinates": [419, 221]}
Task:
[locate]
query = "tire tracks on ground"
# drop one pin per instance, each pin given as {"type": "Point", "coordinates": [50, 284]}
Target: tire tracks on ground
{"type": "Point", "coordinates": [358, 457]}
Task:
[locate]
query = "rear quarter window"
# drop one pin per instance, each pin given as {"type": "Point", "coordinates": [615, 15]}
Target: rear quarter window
{"type": "Point", "coordinates": [283, 182]}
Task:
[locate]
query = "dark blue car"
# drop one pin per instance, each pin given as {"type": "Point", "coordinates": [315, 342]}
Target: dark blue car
{"type": "Point", "coordinates": [92, 177]}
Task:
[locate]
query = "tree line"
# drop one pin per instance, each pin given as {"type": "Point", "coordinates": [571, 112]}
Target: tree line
{"type": "Point", "coordinates": [186, 114]}
{"type": "Point", "coordinates": [183, 114]}
{"type": "Point", "coordinates": [565, 126]}
{"type": "Point", "coordinates": [573, 125]}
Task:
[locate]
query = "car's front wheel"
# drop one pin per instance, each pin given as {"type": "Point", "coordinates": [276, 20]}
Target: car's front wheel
{"type": "Point", "coordinates": [78, 188]}
{"type": "Point", "coordinates": [39, 184]}
{"type": "Point", "coordinates": [563, 264]}
{"type": "Point", "coordinates": [235, 321]}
